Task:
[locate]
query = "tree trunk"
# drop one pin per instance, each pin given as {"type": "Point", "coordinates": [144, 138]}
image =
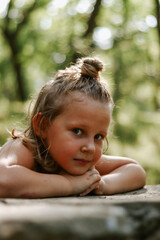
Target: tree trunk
{"type": "Point", "coordinates": [157, 87]}
{"type": "Point", "coordinates": [158, 18]}
{"type": "Point", "coordinates": [92, 20]}
{"type": "Point", "coordinates": [11, 37]}
{"type": "Point", "coordinates": [21, 93]}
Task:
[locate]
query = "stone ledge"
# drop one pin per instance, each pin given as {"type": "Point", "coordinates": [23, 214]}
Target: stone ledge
{"type": "Point", "coordinates": [132, 215]}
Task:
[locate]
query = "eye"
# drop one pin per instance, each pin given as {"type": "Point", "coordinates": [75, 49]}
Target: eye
{"type": "Point", "coordinates": [99, 137]}
{"type": "Point", "coordinates": [77, 131]}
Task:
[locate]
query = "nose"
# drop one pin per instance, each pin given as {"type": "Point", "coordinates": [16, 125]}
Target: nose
{"type": "Point", "coordinates": [88, 146]}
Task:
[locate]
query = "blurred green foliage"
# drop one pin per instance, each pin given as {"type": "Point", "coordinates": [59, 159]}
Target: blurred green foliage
{"type": "Point", "coordinates": [40, 37]}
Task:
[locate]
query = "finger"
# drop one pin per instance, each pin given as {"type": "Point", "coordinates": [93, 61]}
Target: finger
{"type": "Point", "coordinates": [97, 191]}
{"type": "Point", "coordinates": [92, 172]}
{"type": "Point", "coordinates": [94, 178]}
{"type": "Point", "coordinates": [93, 186]}
{"type": "Point", "coordinates": [92, 168]}
{"type": "Point", "coordinates": [86, 192]}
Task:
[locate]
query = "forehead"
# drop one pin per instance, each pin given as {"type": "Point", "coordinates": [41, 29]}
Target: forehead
{"type": "Point", "coordinates": [79, 105]}
{"type": "Point", "coordinates": [77, 98]}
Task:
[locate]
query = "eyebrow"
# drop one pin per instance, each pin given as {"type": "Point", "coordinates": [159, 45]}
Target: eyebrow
{"type": "Point", "coordinates": [84, 126]}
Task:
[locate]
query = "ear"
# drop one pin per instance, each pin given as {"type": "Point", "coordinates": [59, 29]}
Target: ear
{"type": "Point", "coordinates": [36, 122]}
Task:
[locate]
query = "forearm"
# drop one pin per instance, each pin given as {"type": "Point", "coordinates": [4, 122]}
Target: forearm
{"type": "Point", "coordinates": [125, 178]}
{"type": "Point", "coordinates": [20, 182]}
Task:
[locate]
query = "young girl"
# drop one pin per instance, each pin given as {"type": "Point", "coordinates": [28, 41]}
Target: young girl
{"type": "Point", "coordinates": [60, 153]}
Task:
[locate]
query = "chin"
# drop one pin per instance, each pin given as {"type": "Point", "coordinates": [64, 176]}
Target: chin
{"type": "Point", "coordinates": [77, 172]}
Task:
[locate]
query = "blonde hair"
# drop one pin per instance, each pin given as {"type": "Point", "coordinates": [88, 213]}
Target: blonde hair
{"type": "Point", "coordinates": [84, 76]}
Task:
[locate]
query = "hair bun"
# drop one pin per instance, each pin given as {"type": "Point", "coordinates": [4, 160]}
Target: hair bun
{"type": "Point", "coordinates": [91, 67]}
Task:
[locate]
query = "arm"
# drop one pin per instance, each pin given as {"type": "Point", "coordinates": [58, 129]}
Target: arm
{"type": "Point", "coordinates": [119, 174]}
{"type": "Point", "coordinates": [18, 180]}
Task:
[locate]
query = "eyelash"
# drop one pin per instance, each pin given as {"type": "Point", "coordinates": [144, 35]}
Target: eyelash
{"type": "Point", "coordinates": [78, 131]}
{"type": "Point", "coordinates": [75, 130]}
{"type": "Point", "coordinates": [102, 137]}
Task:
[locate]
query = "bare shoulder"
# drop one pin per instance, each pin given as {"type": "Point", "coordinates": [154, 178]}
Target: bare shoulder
{"type": "Point", "coordinates": [109, 163]}
{"type": "Point", "coordinates": [15, 153]}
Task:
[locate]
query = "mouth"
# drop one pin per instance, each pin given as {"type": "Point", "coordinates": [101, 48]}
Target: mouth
{"type": "Point", "coordinates": [82, 161]}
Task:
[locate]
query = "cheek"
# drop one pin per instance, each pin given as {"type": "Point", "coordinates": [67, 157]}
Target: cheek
{"type": "Point", "coordinates": [98, 154]}
{"type": "Point", "coordinates": [65, 147]}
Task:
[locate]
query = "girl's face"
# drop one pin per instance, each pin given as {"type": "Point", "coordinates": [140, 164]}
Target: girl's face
{"type": "Point", "coordinates": [75, 137]}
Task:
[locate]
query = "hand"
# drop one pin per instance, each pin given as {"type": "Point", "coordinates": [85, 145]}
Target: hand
{"type": "Point", "coordinates": [99, 189]}
{"type": "Point", "coordinates": [83, 184]}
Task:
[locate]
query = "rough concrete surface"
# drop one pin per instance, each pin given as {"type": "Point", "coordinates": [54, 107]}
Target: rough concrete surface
{"type": "Point", "coordinates": [132, 215]}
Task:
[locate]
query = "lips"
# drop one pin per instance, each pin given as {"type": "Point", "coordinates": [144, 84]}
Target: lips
{"type": "Point", "coordinates": [82, 161]}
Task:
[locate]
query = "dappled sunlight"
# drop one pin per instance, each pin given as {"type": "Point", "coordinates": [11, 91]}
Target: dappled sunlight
{"type": "Point", "coordinates": [3, 8]}
{"type": "Point", "coordinates": [84, 6]}
{"type": "Point", "coordinates": [46, 23]}
{"type": "Point", "coordinates": [103, 37]}
{"type": "Point", "coordinates": [151, 21]}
